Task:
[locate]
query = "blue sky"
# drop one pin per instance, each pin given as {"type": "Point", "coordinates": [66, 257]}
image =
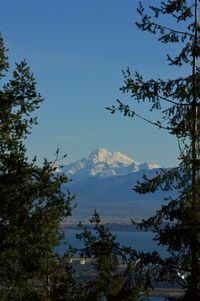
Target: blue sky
{"type": "Point", "coordinates": [76, 50]}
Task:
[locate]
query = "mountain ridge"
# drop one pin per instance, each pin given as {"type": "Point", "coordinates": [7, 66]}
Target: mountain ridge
{"type": "Point", "coordinates": [104, 163]}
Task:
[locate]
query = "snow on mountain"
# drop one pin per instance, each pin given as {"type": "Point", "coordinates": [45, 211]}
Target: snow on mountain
{"type": "Point", "coordinates": [148, 166]}
{"type": "Point", "coordinates": [103, 155]}
{"type": "Point", "coordinates": [104, 163]}
{"type": "Point", "coordinates": [104, 181]}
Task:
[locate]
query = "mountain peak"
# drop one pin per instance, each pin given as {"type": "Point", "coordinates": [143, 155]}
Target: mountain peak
{"type": "Point", "coordinates": [103, 155]}
{"type": "Point", "coordinates": [99, 154]}
{"type": "Point", "coordinates": [104, 163]}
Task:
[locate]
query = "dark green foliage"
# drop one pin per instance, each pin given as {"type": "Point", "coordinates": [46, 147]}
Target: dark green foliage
{"type": "Point", "coordinates": [118, 274]}
{"type": "Point", "coordinates": [177, 223]}
{"type": "Point", "coordinates": [32, 204]}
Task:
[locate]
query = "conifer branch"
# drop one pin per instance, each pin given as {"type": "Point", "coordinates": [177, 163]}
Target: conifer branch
{"type": "Point", "coordinates": [173, 102]}
{"type": "Point", "coordinates": [157, 124]}
{"type": "Point", "coordinates": [173, 30]}
{"type": "Point", "coordinates": [125, 109]}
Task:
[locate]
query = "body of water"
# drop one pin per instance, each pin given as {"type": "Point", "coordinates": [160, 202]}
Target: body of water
{"type": "Point", "coordinates": [141, 241]}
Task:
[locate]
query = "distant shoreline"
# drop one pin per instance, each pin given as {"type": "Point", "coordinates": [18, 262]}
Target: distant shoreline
{"type": "Point", "coordinates": [110, 226]}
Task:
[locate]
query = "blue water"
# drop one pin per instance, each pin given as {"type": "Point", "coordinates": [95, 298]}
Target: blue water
{"type": "Point", "coordinates": [142, 241]}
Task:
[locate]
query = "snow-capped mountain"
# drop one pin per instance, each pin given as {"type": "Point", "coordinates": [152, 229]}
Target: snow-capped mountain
{"type": "Point", "coordinates": [104, 163]}
{"type": "Point", "coordinates": [104, 181]}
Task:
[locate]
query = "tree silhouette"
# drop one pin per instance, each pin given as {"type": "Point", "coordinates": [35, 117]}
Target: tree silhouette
{"type": "Point", "coordinates": [32, 202]}
{"type": "Point", "coordinates": [177, 223]}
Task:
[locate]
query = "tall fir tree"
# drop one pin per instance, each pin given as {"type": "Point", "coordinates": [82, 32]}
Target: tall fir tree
{"type": "Point", "coordinates": [118, 273]}
{"type": "Point", "coordinates": [177, 223]}
{"type": "Point", "coordinates": [32, 204]}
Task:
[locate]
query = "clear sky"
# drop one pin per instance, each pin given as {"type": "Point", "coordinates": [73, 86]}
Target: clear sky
{"type": "Point", "coordinates": [76, 50]}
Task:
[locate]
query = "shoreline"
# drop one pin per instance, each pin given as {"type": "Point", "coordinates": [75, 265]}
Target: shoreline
{"type": "Point", "coordinates": [166, 292]}
{"type": "Point", "coordinates": [110, 226]}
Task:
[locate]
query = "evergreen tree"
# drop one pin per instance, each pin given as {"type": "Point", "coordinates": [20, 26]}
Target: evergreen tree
{"type": "Point", "coordinates": [118, 273]}
{"type": "Point", "coordinates": [177, 223]}
{"type": "Point", "coordinates": [32, 204]}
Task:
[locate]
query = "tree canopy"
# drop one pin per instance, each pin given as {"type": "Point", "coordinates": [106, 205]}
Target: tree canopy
{"type": "Point", "coordinates": [32, 201]}
{"type": "Point", "coordinates": [119, 274]}
{"type": "Point", "coordinates": [177, 223]}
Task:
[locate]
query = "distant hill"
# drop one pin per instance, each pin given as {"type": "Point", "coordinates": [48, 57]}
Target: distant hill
{"type": "Point", "coordinates": [104, 181]}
